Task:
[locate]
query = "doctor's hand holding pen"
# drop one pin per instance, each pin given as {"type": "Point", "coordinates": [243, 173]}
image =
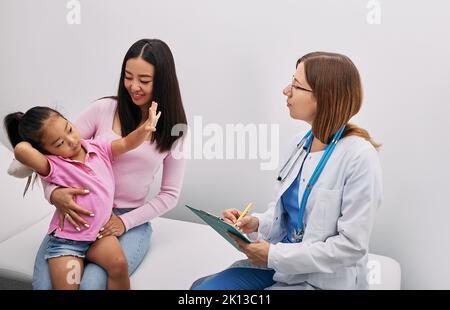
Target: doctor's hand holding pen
{"type": "Point", "coordinates": [245, 223]}
{"type": "Point", "coordinates": [257, 251]}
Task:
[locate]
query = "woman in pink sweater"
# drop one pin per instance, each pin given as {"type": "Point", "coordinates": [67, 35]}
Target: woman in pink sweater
{"type": "Point", "coordinates": [148, 73]}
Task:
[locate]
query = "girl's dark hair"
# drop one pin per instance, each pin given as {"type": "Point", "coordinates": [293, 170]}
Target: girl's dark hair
{"type": "Point", "coordinates": [166, 92]}
{"type": "Point", "coordinates": [28, 126]}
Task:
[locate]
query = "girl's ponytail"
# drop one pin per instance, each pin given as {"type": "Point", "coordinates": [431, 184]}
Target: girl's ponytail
{"type": "Point", "coordinates": [28, 127]}
{"type": "Point", "coordinates": [12, 122]}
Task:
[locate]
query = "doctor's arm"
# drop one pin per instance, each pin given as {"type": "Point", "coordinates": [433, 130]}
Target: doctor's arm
{"type": "Point", "coordinates": [361, 197]}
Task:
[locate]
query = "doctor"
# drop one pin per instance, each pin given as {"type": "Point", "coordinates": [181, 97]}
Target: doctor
{"type": "Point", "coordinates": [316, 234]}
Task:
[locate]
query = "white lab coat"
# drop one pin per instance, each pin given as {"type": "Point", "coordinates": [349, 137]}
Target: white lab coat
{"type": "Point", "coordinates": [338, 219]}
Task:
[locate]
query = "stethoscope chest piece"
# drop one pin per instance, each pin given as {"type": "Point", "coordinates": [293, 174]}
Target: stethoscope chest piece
{"type": "Point", "coordinates": [297, 235]}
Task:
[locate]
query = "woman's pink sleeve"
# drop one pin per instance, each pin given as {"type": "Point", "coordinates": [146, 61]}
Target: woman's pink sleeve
{"type": "Point", "coordinates": [166, 199]}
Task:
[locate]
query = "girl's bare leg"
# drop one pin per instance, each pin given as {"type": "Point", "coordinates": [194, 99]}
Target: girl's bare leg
{"type": "Point", "coordinates": [66, 272]}
{"type": "Point", "coordinates": [107, 253]}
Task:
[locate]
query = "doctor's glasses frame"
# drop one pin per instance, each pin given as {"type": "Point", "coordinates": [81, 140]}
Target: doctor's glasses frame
{"type": "Point", "coordinates": [293, 85]}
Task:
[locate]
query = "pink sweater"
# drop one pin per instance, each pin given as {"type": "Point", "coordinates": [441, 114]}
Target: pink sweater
{"type": "Point", "coordinates": [134, 171]}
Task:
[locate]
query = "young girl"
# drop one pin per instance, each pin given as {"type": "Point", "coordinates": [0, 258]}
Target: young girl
{"type": "Point", "coordinates": [47, 142]}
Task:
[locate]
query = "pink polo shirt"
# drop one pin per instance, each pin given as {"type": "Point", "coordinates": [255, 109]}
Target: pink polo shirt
{"type": "Point", "coordinates": [96, 173]}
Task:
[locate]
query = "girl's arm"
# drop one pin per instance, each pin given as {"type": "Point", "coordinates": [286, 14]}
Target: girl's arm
{"type": "Point", "coordinates": [29, 156]}
{"type": "Point", "coordinates": [87, 124]}
{"type": "Point", "coordinates": [137, 136]}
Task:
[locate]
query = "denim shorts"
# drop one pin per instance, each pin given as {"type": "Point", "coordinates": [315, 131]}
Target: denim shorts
{"type": "Point", "coordinates": [57, 247]}
{"type": "Point", "coordinates": [64, 247]}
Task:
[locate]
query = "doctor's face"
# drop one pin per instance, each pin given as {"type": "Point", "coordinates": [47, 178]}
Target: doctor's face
{"type": "Point", "coordinates": [300, 99]}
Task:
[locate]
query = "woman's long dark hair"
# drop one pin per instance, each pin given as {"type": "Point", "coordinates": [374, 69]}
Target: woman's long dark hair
{"type": "Point", "coordinates": [166, 92]}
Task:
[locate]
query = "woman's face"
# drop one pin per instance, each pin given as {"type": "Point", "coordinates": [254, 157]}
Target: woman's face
{"type": "Point", "coordinates": [138, 81]}
{"type": "Point", "coordinates": [300, 99]}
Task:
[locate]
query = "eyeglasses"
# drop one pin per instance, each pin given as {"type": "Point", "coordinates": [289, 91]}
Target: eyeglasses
{"type": "Point", "coordinates": [298, 87]}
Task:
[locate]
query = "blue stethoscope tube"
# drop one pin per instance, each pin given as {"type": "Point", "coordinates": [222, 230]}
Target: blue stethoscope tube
{"type": "Point", "coordinates": [304, 146]}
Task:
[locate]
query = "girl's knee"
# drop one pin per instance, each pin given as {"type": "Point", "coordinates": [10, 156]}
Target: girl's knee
{"type": "Point", "coordinates": [118, 267]}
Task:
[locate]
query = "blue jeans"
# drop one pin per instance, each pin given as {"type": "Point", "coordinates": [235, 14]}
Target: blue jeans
{"type": "Point", "coordinates": [135, 244]}
{"type": "Point", "coordinates": [236, 279]}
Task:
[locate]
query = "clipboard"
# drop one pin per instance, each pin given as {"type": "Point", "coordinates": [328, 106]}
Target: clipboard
{"type": "Point", "coordinates": [220, 226]}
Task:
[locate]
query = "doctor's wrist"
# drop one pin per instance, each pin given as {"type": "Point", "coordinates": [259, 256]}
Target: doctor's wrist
{"type": "Point", "coordinates": [254, 224]}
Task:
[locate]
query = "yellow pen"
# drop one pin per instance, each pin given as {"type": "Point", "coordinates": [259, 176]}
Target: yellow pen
{"type": "Point", "coordinates": [244, 213]}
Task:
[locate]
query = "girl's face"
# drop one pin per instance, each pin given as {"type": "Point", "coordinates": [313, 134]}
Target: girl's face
{"type": "Point", "coordinates": [300, 99]}
{"type": "Point", "coordinates": [60, 137]}
{"type": "Point", "coordinates": [138, 81]}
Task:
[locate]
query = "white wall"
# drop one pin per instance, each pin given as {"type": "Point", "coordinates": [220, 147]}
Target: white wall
{"type": "Point", "coordinates": [233, 59]}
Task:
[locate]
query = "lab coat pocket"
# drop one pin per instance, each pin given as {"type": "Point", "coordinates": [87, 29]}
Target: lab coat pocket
{"type": "Point", "coordinates": [326, 210]}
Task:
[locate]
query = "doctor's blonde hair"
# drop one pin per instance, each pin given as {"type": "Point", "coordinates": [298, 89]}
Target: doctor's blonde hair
{"type": "Point", "coordinates": [336, 85]}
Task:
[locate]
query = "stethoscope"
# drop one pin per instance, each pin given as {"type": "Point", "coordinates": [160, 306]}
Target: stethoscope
{"type": "Point", "coordinates": [304, 146]}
